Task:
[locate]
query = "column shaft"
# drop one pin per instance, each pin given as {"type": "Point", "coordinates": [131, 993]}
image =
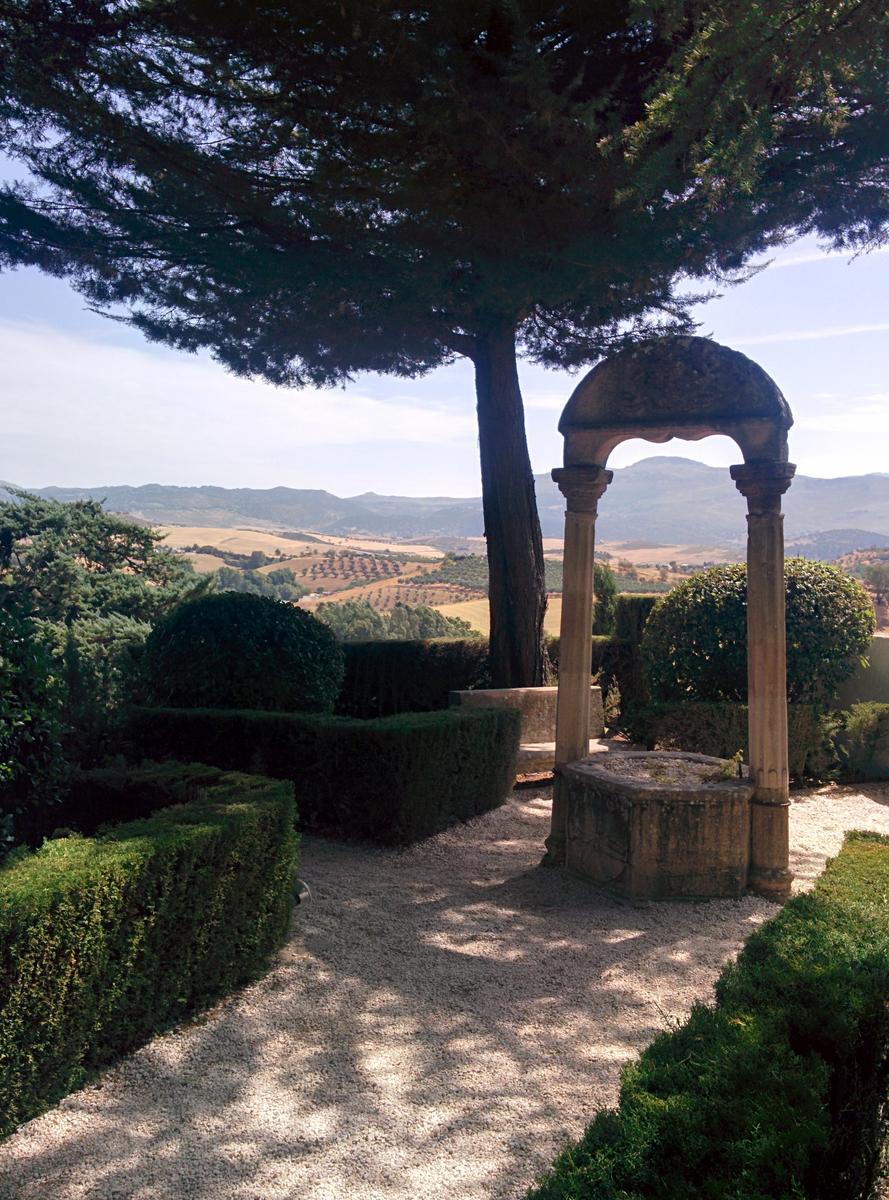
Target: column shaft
{"type": "Point", "coordinates": [582, 487]}
{"type": "Point", "coordinates": [763, 485]}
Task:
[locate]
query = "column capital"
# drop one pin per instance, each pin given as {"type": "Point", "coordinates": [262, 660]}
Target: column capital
{"type": "Point", "coordinates": [582, 486]}
{"type": "Point", "coordinates": [763, 483]}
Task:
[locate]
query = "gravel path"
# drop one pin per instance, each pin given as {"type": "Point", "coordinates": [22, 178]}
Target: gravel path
{"type": "Point", "coordinates": [440, 1022]}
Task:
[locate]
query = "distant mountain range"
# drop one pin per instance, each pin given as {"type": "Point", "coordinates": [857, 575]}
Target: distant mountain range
{"type": "Point", "coordinates": [663, 499]}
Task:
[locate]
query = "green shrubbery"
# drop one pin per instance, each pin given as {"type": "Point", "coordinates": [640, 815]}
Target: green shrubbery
{"type": "Point", "coordinates": [863, 742]}
{"type": "Point", "coordinates": [695, 642]}
{"type": "Point", "coordinates": [31, 700]}
{"type": "Point", "coordinates": [104, 941]}
{"type": "Point", "coordinates": [232, 650]}
{"type": "Point", "coordinates": [394, 780]}
{"type": "Point", "coordinates": [779, 1090]}
{"type": "Point", "coordinates": [385, 678]}
{"type": "Point", "coordinates": [720, 729]}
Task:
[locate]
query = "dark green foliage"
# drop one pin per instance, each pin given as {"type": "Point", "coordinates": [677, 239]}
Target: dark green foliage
{"type": "Point", "coordinates": [695, 643]}
{"type": "Point", "coordinates": [863, 742]}
{"type": "Point", "coordinates": [776, 1093]}
{"type": "Point", "coordinates": [631, 616]}
{"type": "Point", "coordinates": [105, 941]}
{"type": "Point", "coordinates": [605, 590]}
{"type": "Point", "coordinates": [394, 780]}
{"type": "Point", "coordinates": [98, 658]}
{"type": "Point", "coordinates": [230, 650]}
{"type": "Point", "coordinates": [720, 729]}
{"type": "Point", "coordinates": [94, 582]}
{"type": "Point", "coordinates": [615, 663]}
{"type": "Point", "coordinates": [75, 560]}
{"type": "Point", "coordinates": [385, 678]}
{"type": "Point", "coordinates": [279, 584]}
{"type": "Point", "coordinates": [359, 621]}
{"type": "Point", "coordinates": [31, 704]}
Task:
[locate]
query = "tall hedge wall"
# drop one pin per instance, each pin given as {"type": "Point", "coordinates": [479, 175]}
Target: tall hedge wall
{"type": "Point", "coordinates": [394, 780]}
{"type": "Point", "coordinates": [385, 678]}
{"type": "Point", "coordinates": [106, 940]}
{"type": "Point", "coordinates": [777, 1091]}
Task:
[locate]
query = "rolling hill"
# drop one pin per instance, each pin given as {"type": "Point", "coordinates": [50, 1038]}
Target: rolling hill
{"type": "Point", "coordinates": [661, 499]}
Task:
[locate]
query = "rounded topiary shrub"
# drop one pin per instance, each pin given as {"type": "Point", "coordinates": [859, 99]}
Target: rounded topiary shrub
{"type": "Point", "coordinates": [234, 650]}
{"type": "Point", "coordinates": [695, 641]}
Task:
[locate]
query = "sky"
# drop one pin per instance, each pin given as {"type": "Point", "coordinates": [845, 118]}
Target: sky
{"type": "Point", "coordinates": [88, 402]}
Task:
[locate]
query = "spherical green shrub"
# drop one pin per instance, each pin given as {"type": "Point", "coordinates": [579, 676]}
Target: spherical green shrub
{"type": "Point", "coordinates": [695, 641]}
{"type": "Point", "coordinates": [234, 650]}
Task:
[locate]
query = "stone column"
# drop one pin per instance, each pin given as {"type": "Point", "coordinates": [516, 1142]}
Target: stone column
{"type": "Point", "coordinates": [581, 487]}
{"type": "Point", "coordinates": [763, 484]}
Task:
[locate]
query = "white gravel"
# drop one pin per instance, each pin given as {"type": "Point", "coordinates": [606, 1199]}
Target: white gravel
{"type": "Point", "coordinates": [440, 1022]}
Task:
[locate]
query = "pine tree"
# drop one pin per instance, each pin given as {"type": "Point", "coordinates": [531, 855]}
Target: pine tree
{"type": "Point", "coordinates": [313, 189]}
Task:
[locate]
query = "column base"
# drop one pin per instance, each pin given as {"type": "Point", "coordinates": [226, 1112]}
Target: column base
{"type": "Point", "coordinates": [771, 885]}
{"type": "Point", "coordinates": [769, 874]}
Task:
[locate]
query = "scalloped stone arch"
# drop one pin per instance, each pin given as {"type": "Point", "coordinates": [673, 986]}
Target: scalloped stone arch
{"type": "Point", "coordinates": [675, 387]}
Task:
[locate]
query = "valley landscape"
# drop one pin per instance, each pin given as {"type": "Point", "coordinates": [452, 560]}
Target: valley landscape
{"type": "Point", "coordinates": [660, 520]}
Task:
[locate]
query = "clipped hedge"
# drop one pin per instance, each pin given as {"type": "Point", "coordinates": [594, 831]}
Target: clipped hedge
{"type": "Point", "coordinates": [777, 1091]}
{"type": "Point", "coordinates": [394, 780]}
{"type": "Point", "coordinates": [385, 678]}
{"type": "Point", "coordinates": [632, 613]}
{"type": "Point", "coordinates": [105, 941]}
{"type": "Point", "coordinates": [614, 662]}
{"type": "Point", "coordinates": [720, 729]}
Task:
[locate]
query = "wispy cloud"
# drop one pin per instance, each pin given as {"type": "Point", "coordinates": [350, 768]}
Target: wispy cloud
{"type": "Point", "coordinates": [127, 413]}
{"type": "Point", "coordinates": [810, 335]}
{"type": "Point", "coordinates": [798, 260]}
{"type": "Point", "coordinates": [853, 415]}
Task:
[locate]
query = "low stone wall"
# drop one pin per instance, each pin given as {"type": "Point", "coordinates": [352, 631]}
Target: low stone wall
{"type": "Point", "coordinates": [870, 682]}
{"type": "Point", "coordinates": [537, 706]}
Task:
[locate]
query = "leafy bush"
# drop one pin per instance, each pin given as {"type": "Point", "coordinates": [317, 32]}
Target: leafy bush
{"type": "Point", "coordinates": [394, 780]}
{"type": "Point", "coordinates": [105, 941]}
{"type": "Point", "coordinates": [231, 650]}
{"type": "Point", "coordinates": [863, 742]}
{"type": "Point", "coordinates": [31, 699]}
{"type": "Point", "coordinates": [384, 678]}
{"type": "Point", "coordinates": [720, 729]}
{"type": "Point", "coordinates": [695, 642]}
{"type": "Point", "coordinates": [779, 1090]}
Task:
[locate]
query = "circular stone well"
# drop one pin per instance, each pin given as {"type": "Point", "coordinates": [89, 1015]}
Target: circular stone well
{"type": "Point", "coordinates": [657, 825]}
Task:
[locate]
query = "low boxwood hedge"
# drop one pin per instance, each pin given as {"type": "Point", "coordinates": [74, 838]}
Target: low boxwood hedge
{"type": "Point", "coordinates": [777, 1091]}
{"type": "Point", "coordinates": [720, 729]}
{"type": "Point", "coordinates": [394, 780]}
{"type": "Point", "coordinates": [104, 941]}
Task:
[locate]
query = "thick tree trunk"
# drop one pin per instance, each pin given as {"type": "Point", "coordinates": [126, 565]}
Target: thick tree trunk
{"type": "Point", "coordinates": [517, 587]}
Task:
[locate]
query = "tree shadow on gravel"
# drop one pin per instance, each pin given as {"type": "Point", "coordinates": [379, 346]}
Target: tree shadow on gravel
{"type": "Point", "coordinates": [441, 1022]}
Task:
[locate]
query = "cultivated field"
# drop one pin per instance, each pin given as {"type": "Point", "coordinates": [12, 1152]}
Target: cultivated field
{"type": "Point", "coordinates": [476, 613]}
